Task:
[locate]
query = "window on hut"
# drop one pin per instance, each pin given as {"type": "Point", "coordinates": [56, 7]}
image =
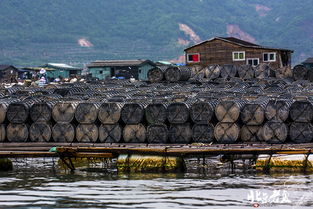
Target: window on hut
{"type": "Point", "coordinates": [253, 61]}
{"type": "Point", "coordinates": [193, 57]}
{"type": "Point", "coordinates": [239, 56]}
{"type": "Point", "coordinates": [269, 57]}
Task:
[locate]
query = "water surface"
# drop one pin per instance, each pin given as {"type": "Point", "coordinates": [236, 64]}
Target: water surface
{"type": "Point", "coordinates": [45, 188]}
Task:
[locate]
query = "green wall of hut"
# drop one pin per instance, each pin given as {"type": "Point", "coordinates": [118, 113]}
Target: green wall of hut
{"type": "Point", "coordinates": [105, 72]}
{"type": "Point", "coordinates": [100, 72]}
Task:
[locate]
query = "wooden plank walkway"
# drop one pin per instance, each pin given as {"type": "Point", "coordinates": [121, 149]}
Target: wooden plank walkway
{"type": "Point", "coordinates": [105, 150]}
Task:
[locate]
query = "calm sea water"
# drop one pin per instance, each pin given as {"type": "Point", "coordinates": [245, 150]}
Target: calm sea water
{"type": "Point", "coordinates": [46, 188]}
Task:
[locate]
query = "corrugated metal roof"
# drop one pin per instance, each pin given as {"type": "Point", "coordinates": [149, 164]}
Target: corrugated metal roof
{"type": "Point", "coordinates": [308, 60]}
{"type": "Point", "coordinates": [240, 43]}
{"type": "Point", "coordinates": [61, 65]}
{"type": "Point", "coordinates": [164, 62]}
{"type": "Point", "coordinates": [118, 63]}
{"type": "Point", "coordinates": [3, 67]}
{"type": "Point", "coordinates": [39, 68]}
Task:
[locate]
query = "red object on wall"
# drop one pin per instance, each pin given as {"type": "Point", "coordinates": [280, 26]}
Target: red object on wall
{"type": "Point", "coordinates": [195, 58]}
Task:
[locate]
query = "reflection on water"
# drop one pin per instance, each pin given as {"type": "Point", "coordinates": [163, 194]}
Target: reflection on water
{"type": "Point", "coordinates": [49, 189]}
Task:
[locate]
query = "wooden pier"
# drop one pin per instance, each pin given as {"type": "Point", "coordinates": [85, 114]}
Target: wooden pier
{"type": "Point", "coordinates": [15, 150]}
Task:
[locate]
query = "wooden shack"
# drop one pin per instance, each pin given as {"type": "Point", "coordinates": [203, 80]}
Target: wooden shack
{"type": "Point", "coordinates": [230, 50]}
{"type": "Point", "coordinates": [55, 70]}
{"type": "Point", "coordinates": [8, 74]}
{"type": "Point", "coordinates": [137, 69]}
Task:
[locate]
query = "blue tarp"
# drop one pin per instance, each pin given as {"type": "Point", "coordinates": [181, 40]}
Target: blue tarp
{"type": "Point", "coordinates": [180, 64]}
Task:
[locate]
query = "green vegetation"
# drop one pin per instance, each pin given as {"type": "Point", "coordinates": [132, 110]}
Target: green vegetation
{"type": "Point", "coordinates": [35, 32]}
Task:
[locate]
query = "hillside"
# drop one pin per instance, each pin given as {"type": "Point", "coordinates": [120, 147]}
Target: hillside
{"type": "Point", "coordinates": [77, 32]}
